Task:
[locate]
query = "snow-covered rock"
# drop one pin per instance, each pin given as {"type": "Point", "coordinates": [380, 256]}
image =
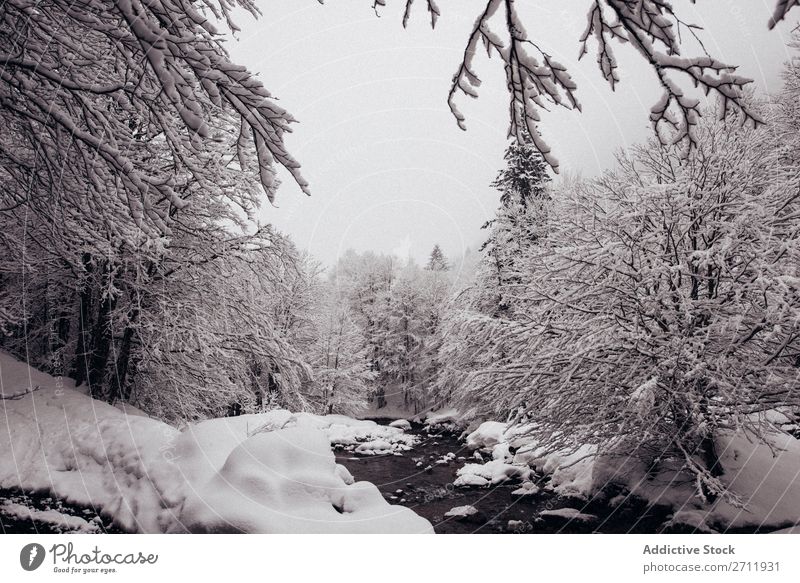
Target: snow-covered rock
{"type": "Point", "coordinates": [571, 471]}
{"type": "Point", "coordinates": [443, 420]}
{"type": "Point", "coordinates": [273, 472]}
{"type": "Point", "coordinates": [403, 424]}
{"type": "Point", "coordinates": [461, 511]}
{"type": "Point", "coordinates": [526, 489]}
{"type": "Point", "coordinates": [568, 514]}
{"type": "Point", "coordinates": [351, 434]}
{"type": "Point", "coordinates": [375, 447]}
{"type": "Point", "coordinates": [471, 480]}
{"type": "Point", "coordinates": [487, 435]}
{"type": "Point", "coordinates": [493, 472]}
{"type": "Point", "coordinates": [466, 514]}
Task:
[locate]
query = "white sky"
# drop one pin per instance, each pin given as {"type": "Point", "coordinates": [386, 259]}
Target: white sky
{"type": "Point", "coordinates": [389, 169]}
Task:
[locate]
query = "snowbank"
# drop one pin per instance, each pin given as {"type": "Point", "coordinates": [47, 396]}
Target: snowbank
{"type": "Point", "coordinates": [58, 520]}
{"type": "Point", "coordinates": [286, 481]}
{"type": "Point", "coordinates": [765, 477]}
{"type": "Point", "coordinates": [256, 473]}
{"type": "Point", "coordinates": [767, 483]}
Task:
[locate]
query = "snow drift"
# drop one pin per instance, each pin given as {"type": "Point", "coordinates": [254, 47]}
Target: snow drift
{"type": "Point", "coordinates": [273, 472]}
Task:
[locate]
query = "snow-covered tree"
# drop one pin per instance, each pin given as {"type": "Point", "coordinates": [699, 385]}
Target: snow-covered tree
{"type": "Point", "coordinates": [437, 260]}
{"type": "Point", "coordinates": [397, 306]}
{"type": "Point", "coordinates": [343, 378]}
{"type": "Point", "coordinates": [100, 82]}
{"type": "Point", "coordinates": [536, 81]}
{"type": "Point", "coordinates": [519, 222]}
{"type": "Point", "coordinates": [91, 295]}
{"type": "Point", "coordinates": [661, 306]}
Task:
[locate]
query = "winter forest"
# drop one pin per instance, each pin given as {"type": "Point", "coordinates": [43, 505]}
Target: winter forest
{"type": "Point", "coordinates": [618, 352]}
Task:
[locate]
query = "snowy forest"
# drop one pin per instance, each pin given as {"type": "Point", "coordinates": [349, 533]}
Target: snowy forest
{"type": "Point", "coordinates": [621, 353]}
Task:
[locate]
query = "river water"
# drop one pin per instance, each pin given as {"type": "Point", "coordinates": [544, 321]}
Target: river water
{"type": "Point", "coordinates": [430, 493]}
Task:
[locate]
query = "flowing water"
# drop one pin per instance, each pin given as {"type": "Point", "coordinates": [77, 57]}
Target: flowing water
{"type": "Point", "coordinates": [430, 493]}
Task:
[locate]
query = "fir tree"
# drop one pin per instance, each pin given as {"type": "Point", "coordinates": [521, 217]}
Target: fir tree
{"type": "Point", "coordinates": [437, 261]}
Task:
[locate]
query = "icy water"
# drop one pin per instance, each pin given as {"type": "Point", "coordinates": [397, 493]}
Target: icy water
{"type": "Point", "coordinates": [430, 493]}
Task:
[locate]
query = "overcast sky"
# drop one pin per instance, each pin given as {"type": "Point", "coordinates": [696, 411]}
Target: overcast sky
{"type": "Point", "coordinates": [389, 169]}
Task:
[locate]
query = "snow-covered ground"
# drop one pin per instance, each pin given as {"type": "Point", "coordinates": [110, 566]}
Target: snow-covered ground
{"type": "Point", "coordinates": [274, 472]}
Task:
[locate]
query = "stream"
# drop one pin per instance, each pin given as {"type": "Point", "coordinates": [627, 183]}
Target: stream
{"type": "Point", "coordinates": [431, 494]}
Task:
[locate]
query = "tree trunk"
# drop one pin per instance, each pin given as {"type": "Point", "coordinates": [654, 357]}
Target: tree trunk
{"type": "Point", "coordinates": [101, 344]}
{"type": "Point", "coordinates": [79, 370]}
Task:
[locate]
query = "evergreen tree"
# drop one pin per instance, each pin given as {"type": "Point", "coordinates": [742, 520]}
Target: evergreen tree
{"type": "Point", "coordinates": [437, 261]}
{"type": "Point", "coordinates": [524, 196]}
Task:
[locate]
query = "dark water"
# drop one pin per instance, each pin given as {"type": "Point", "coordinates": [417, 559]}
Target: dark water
{"type": "Point", "coordinates": [430, 493]}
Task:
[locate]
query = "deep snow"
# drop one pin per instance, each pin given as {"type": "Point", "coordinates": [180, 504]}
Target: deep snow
{"type": "Point", "coordinates": [273, 472]}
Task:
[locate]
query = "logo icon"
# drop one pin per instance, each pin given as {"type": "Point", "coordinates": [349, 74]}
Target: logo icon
{"type": "Point", "coordinates": [31, 556]}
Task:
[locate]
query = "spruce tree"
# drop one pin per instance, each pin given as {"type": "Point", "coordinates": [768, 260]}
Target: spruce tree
{"type": "Point", "coordinates": [437, 261]}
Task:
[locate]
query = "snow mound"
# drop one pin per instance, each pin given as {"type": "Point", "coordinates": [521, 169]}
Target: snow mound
{"type": "Point", "coordinates": [273, 472]}
{"type": "Point", "coordinates": [767, 483]}
{"type": "Point", "coordinates": [765, 477]}
{"type": "Point", "coordinates": [286, 481]}
{"type": "Point", "coordinates": [493, 472]}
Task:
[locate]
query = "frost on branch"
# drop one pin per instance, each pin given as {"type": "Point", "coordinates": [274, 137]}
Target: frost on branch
{"type": "Point", "coordinates": [536, 82]}
{"type": "Point", "coordinates": [107, 84]}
